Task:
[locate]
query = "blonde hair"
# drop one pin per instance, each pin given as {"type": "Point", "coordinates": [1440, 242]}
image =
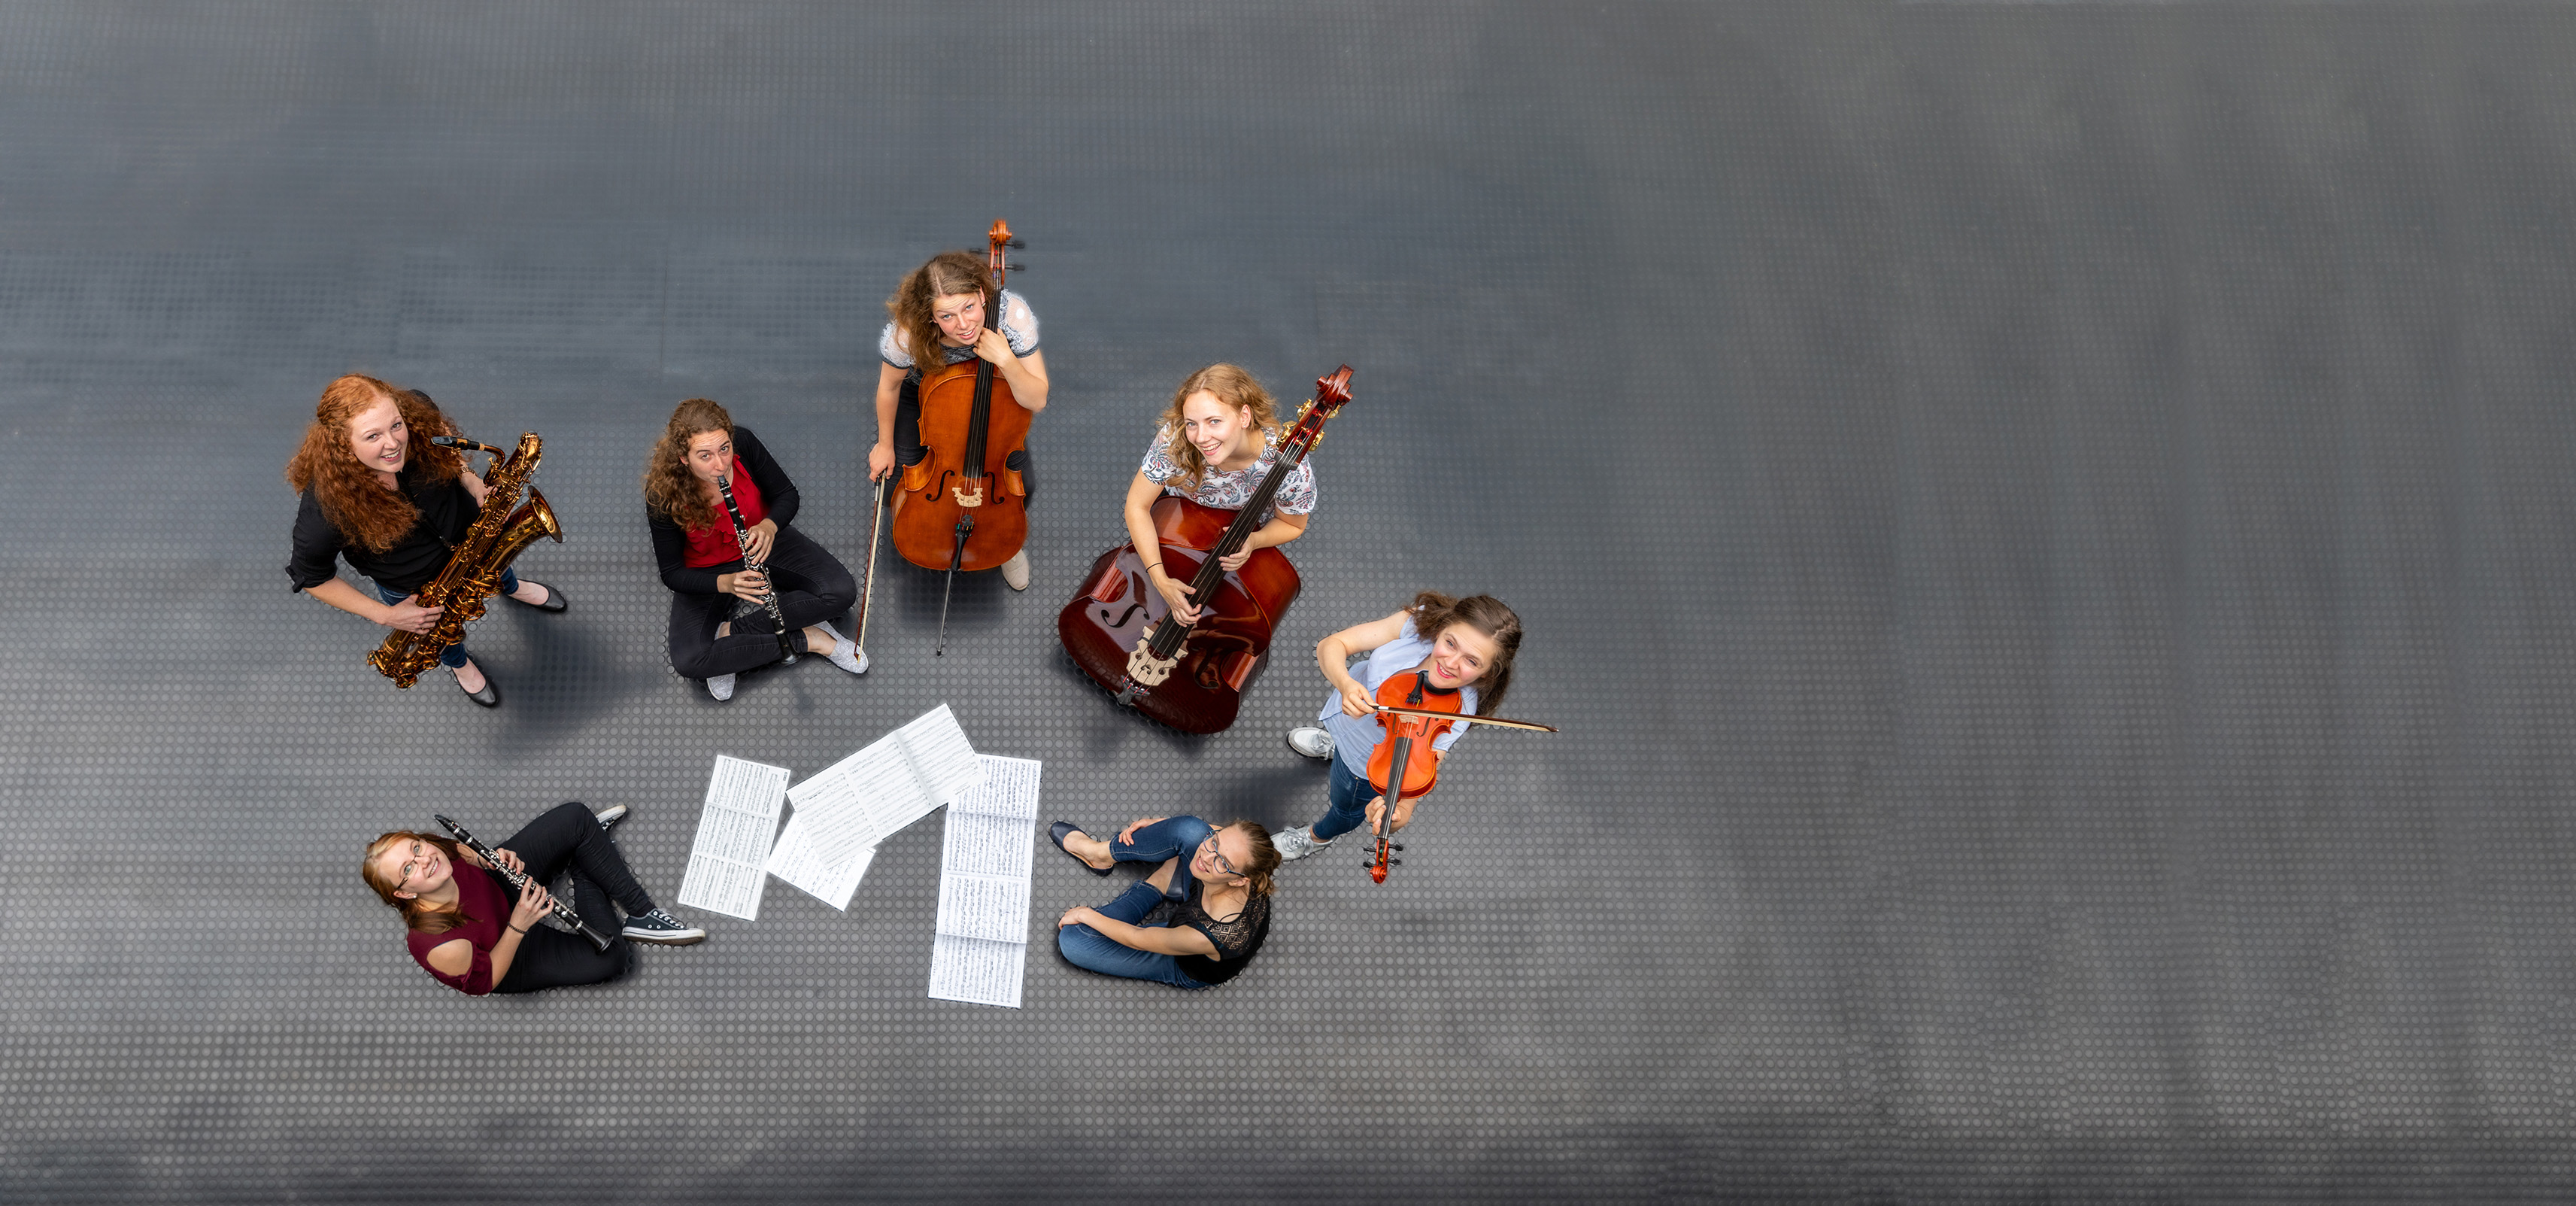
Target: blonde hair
{"type": "Point", "coordinates": [1232, 386]}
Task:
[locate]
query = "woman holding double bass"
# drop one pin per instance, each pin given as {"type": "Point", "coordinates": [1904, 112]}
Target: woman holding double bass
{"type": "Point", "coordinates": [1216, 442]}
{"type": "Point", "coordinates": [953, 333]}
{"type": "Point", "coordinates": [1177, 622]}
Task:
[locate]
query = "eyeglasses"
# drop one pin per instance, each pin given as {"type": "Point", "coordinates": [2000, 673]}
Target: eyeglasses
{"type": "Point", "coordinates": [418, 857]}
{"type": "Point", "coordinates": [1218, 856]}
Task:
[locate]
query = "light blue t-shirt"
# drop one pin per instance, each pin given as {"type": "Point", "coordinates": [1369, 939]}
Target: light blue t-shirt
{"type": "Point", "coordinates": [1355, 738]}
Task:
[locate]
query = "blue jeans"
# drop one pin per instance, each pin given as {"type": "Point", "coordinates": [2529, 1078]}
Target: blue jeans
{"type": "Point", "coordinates": [454, 655]}
{"type": "Point", "coordinates": [1091, 950]}
{"type": "Point", "coordinates": [1171, 837]}
{"type": "Point", "coordinates": [1351, 796]}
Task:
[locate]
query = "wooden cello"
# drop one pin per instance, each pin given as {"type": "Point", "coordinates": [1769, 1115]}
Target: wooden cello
{"type": "Point", "coordinates": [1192, 677]}
{"type": "Point", "coordinates": [1403, 766]}
{"type": "Point", "coordinates": [963, 506]}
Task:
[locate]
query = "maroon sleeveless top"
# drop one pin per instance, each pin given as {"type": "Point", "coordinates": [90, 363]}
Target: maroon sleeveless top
{"type": "Point", "coordinates": [481, 896]}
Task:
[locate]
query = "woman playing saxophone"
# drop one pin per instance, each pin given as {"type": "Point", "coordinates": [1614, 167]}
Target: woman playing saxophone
{"type": "Point", "coordinates": [374, 491]}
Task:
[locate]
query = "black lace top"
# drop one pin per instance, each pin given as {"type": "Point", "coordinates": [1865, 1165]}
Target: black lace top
{"type": "Point", "coordinates": [1236, 941]}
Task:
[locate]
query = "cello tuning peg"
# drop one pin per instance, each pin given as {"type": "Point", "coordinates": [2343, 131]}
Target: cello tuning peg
{"type": "Point", "coordinates": [1015, 267]}
{"type": "Point", "coordinates": [1399, 846]}
{"type": "Point", "coordinates": [1015, 244]}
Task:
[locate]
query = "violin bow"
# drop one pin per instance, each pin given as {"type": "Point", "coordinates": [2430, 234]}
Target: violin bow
{"type": "Point", "coordinates": [1463, 718]}
{"type": "Point", "coordinates": [876, 530]}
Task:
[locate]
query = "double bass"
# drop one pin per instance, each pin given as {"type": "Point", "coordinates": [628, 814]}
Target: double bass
{"type": "Point", "coordinates": [966, 509]}
{"type": "Point", "coordinates": [1404, 766]}
{"type": "Point", "coordinates": [1192, 677]}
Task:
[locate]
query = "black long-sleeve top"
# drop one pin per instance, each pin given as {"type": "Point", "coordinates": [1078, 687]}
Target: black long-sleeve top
{"type": "Point", "coordinates": [446, 511]}
{"type": "Point", "coordinates": [671, 545]}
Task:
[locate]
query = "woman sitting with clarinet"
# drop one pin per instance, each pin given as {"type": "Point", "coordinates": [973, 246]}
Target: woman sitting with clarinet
{"type": "Point", "coordinates": [719, 507]}
{"type": "Point", "coordinates": [465, 928]}
{"type": "Point", "coordinates": [1194, 923]}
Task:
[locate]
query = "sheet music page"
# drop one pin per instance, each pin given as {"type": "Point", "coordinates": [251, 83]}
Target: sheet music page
{"type": "Point", "coordinates": [976, 971]}
{"type": "Point", "coordinates": [993, 907]}
{"type": "Point", "coordinates": [980, 948]}
{"type": "Point", "coordinates": [847, 808]}
{"type": "Point", "coordinates": [942, 760]}
{"type": "Point", "coordinates": [827, 868]}
{"type": "Point", "coordinates": [728, 862]}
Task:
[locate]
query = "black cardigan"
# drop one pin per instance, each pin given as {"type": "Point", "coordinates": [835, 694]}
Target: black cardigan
{"type": "Point", "coordinates": [671, 545]}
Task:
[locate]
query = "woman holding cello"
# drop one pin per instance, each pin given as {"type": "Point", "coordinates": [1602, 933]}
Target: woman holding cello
{"type": "Point", "coordinates": [944, 316]}
{"type": "Point", "coordinates": [1458, 647]}
{"type": "Point", "coordinates": [1215, 445]}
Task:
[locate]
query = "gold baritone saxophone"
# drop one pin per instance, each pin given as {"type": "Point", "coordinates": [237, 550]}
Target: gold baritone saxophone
{"type": "Point", "coordinates": [474, 570]}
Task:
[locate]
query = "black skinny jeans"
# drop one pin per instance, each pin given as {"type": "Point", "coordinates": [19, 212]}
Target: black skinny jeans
{"type": "Point", "coordinates": [812, 585]}
{"type": "Point", "coordinates": [568, 837]}
{"type": "Point", "coordinates": [908, 449]}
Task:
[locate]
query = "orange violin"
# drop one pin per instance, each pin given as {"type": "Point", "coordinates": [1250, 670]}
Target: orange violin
{"type": "Point", "coordinates": [1412, 712]}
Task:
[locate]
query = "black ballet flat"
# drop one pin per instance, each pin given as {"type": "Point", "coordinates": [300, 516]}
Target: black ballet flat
{"type": "Point", "coordinates": [554, 597]}
{"type": "Point", "coordinates": [1055, 834]}
{"type": "Point", "coordinates": [489, 696]}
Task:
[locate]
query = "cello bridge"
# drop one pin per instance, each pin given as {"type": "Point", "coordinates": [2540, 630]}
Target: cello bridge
{"type": "Point", "coordinates": [1144, 667]}
{"type": "Point", "coordinates": [965, 499]}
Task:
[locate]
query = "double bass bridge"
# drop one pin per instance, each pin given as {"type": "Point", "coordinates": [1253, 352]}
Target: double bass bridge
{"type": "Point", "coordinates": [1144, 667]}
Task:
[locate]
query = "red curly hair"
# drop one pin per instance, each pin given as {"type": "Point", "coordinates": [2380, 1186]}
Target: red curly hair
{"type": "Point", "coordinates": [350, 494]}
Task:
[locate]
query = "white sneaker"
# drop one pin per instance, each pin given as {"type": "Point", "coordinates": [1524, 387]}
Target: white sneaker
{"type": "Point", "coordinates": [846, 654]}
{"type": "Point", "coordinates": [1015, 572]}
{"type": "Point", "coordinates": [1311, 741]}
{"type": "Point", "coordinates": [721, 686]}
{"type": "Point", "coordinates": [610, 815]}
{"type": "Point", "coordinates": [1294, 844]}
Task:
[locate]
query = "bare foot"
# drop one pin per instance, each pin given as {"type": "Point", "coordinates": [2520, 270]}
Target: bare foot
{"type": "Point", "coordinates": [1093, 852]}
{"type": "Point", "coordinates": [470, 677]}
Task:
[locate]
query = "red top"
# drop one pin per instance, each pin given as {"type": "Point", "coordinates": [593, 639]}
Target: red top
{"type": "Point", "coordinates": [715, 545]}
{"type": "Point", "coordinates": [481, 897]}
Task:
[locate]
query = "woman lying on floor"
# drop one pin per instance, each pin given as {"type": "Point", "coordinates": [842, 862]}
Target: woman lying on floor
{"type": "Point", "coordinates": [466, 927]}
{"type": "Point", "coordinates": [1194, 923]}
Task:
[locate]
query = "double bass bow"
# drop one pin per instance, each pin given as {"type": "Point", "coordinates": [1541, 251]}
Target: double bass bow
{"type": "Point", "coordinates": [967, 508]}
{"type": "Point", "coordinates": [1412, 712]}
{"type": "Point", "coordinates": [1192, 677]}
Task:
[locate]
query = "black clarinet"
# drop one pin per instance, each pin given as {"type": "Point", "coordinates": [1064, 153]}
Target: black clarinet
{"type": "Point", "coordinates": [786, 643]}
{"type": "Point", "coordinates": [519, 882]}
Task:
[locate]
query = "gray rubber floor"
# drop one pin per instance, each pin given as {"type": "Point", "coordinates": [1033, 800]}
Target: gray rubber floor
{"type": "Point", "coordinates": [2044, 527]}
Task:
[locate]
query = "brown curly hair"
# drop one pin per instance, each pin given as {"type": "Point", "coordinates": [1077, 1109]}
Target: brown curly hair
{"type": "Point", "coordinates": [1434, 612]}
{"type": "Point", "coordinates": [1233, 386]}
{"type": "Point", "coordinates": [916, 300]}
{"type": "Point", "coordinates": [417, 914]}
{"type": "Point", "coordinates": [350, 495]}
{"type": "Point", "coordinates": [669, 488]}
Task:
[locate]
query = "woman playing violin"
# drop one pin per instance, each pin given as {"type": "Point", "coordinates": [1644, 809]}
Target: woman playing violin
{"type": "Point", "coordinates": [1465, 645]}
{"type": "Point", "coordinates": [946, 304]}
{"type": "Point", "coordinates": [1214, 446]}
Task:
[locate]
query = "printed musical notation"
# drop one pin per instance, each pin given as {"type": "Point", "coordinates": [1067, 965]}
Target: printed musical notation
{"type": "Point", "coordinates": [728, 861]}
{"type": "Point", "coordinates": [979, 953]}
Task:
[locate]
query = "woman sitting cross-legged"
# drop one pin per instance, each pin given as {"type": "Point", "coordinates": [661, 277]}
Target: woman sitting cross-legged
{"type": "Point", "coordinates": [1194, 923]}
{"type": "Point", "coordinates": [702, 555]}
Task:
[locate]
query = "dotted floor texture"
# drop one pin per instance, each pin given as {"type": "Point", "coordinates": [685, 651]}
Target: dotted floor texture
{"type": "Point", "coordinates": [2044, 527]}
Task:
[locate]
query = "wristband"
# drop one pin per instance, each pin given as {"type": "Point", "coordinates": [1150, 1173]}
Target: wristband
{"type": "Point", "coordinates": [514, 929]}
